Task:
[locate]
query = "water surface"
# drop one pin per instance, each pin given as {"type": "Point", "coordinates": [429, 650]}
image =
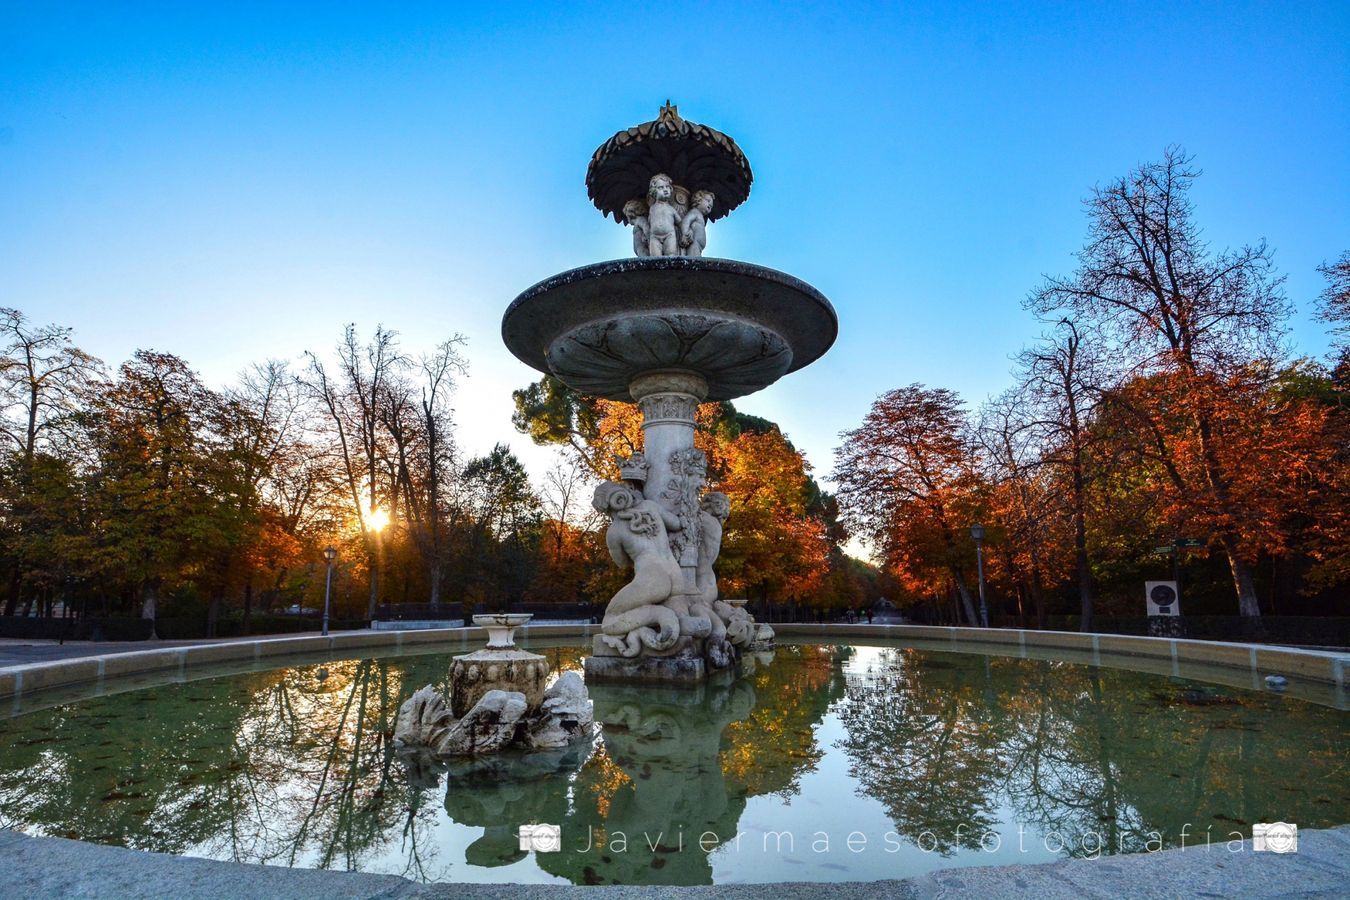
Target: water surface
{"type": "Point", "coordinates": [830, 762]}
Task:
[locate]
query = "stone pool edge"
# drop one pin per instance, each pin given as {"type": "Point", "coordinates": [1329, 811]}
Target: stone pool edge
{"type": "Point", "coordinates": [58, 867]}
{"type": "Point", "coordinates": [1151, 654]}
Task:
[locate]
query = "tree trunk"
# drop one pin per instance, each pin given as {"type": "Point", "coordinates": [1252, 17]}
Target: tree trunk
{"type": "Point", "coordinates": [1084, 590]}
{"type": "Point", "coordinates": [12, 599]}
{"type": "Point", "coordinates": [966, 603]}
{"type": "Point", "coordinates": [213, 614]}
{"type": "Point", "coordinates": [1243, 581]}
{"type": "Point", "coordinates": [1080, 545]}
{"type": "Point", "coordinates": [1037, 595]}
{"type": "Point", "coordinates": [374, 583]}
{"type": "Point", "coordinates": [149, 598]}
{"type": "Point", "coordinates": [436, 587]}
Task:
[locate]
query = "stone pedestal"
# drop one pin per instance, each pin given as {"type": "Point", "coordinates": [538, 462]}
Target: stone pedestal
{"type": "Point", "coordinates": [682, 663]}
{"type": "Point", "coordinates": [675, 670]}
{"type": "Point", "coordinates": [500, 666]}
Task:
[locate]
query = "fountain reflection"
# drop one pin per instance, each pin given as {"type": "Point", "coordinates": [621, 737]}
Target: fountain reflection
{"type": "Point", "coordinates": [675, 768]}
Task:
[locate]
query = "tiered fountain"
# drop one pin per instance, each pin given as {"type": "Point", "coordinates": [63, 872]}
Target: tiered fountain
{"type": "Point", "coordinates": [668, 329]}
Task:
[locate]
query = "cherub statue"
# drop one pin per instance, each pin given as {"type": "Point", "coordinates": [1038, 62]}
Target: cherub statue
{"type": "Point", "coordinates": [635, 212]}
{"type": "Point", "coordinates": [693, 228]}
{"type": "Point", "coordinates": [663, 219]}
{"type": "Point", "coordinates": [638, 536]}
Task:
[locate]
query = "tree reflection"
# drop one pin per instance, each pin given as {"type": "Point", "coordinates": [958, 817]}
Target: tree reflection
{"type": "Point", "coordinates": [1107, 761]}
{"type": "Point", "coordinates": [925, 740]}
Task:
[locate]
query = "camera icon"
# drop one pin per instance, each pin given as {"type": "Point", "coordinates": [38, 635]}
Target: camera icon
{"type": "Point", "coordinates": [541, 838]}
{"type": "Point", "coordinates": [1275, 837]}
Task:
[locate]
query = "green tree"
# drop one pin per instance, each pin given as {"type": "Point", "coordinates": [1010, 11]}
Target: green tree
{"type": "Point", "coordinates": [152, 485]}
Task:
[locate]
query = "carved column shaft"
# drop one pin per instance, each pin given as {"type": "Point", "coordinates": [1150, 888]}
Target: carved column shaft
{"type": "Point", "coordinates": [668, 401]}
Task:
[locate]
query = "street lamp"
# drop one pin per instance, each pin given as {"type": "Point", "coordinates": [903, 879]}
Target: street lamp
{"type": "Point", "coordinates": [977, 532]}
{"type": "Point", "coordinates": [329, 554]}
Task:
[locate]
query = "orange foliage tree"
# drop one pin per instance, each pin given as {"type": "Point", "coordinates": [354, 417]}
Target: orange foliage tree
{"type": "Point", "coordinates": [908, 483]}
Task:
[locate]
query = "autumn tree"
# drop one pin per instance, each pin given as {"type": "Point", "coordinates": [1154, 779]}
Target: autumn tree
{"type": "Point", "coordinates": [415, 411]}
{"type": "Point", "coordinates": [1023, 495]}
{"type": "Point", "coordinates": [570, 551]}
{"type": "Point", "coordinates": [1059, 385]}
{"type": "Point", "coordinates": [773, 545]}
{"type": "Point", "coordinates": [907, 483]}
{"type": "Point", "coordinates": [256, 423]}
{"type": "Point", "coordinates": [1198, 323]}
{"type": "Point", "coordinates": [352, 397]}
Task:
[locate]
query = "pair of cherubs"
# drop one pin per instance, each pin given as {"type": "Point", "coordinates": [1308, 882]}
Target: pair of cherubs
{"type": "Point", "coordinates": [663, 225]}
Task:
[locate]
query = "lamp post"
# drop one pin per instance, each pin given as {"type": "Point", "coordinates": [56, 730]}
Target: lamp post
{"type": "Point", "coordinates": [977, 532]}
{"type": "Point", "coordinates": [329, 554]}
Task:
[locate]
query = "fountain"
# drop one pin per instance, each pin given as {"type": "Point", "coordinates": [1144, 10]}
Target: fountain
{"type": "Point", "coordinates": [669, 329]}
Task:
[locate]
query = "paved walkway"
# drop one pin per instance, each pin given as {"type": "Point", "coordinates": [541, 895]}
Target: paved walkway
{"type": "Point", "coordinates": [56, 867]}
{"type": "Point", "coordinates": [20, 651]}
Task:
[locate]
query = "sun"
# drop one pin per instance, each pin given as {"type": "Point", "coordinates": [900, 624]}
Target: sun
{"type": "Point", "coordinates": [377, 519]}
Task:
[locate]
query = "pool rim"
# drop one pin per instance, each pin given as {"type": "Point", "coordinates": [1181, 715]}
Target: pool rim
{"type": "Point", "coordinates": [1239, 665]}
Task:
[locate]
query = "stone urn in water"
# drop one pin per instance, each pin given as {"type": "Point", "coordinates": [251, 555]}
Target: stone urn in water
{"type": "Point", "coordinates": [497, 699]}
{"type": "Point", "coordinates": [500, 666]}
{"type": "Point", "coordinates": [667, 329]}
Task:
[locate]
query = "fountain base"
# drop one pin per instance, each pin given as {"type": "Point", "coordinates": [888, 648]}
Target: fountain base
{"type": "Point", "coordinates": [689, 670]}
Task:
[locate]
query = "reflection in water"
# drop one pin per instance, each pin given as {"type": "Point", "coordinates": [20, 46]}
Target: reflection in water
{"type": "Point", "coordinates": [934, 749]}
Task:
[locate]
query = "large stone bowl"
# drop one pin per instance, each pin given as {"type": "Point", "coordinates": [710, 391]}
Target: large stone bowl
{"type": "Point", "coordinates": [738, 326]}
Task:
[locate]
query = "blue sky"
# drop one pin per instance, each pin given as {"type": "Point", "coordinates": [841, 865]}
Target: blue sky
{"type": "Point", "coordinates": [235, 182]}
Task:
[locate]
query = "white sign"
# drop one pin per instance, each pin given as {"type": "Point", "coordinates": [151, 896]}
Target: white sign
{"type": "Point", "coordinates": [1162, 597]}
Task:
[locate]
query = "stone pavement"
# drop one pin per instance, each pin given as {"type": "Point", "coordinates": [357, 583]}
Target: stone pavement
{"type": "Point", "coordinates": [56, 867]}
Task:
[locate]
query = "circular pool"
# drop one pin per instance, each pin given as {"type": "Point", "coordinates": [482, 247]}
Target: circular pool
{"type": "Point", "coordinates": [828, 761]}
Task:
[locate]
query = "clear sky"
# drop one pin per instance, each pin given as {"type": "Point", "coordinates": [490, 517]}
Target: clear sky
{"type": "Point", "coordinates": [235, 183]}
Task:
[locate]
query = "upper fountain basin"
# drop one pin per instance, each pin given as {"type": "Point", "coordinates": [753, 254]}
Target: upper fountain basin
{"type": "Point", "coordinates": [739, 326]}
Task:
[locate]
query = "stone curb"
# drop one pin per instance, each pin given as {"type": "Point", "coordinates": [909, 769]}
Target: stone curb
{"type": "Point", "coordinates": [16, 681]}
{"type": "Point", "coordinates": [1314, 675]}
{"type": "Point", "coordinates": [1307, 670]}
{"type": "Point", "coordinates": [57, 867]}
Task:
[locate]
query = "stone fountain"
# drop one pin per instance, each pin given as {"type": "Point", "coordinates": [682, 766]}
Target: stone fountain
{"type": "Point", "coordinates": [668, 329]}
